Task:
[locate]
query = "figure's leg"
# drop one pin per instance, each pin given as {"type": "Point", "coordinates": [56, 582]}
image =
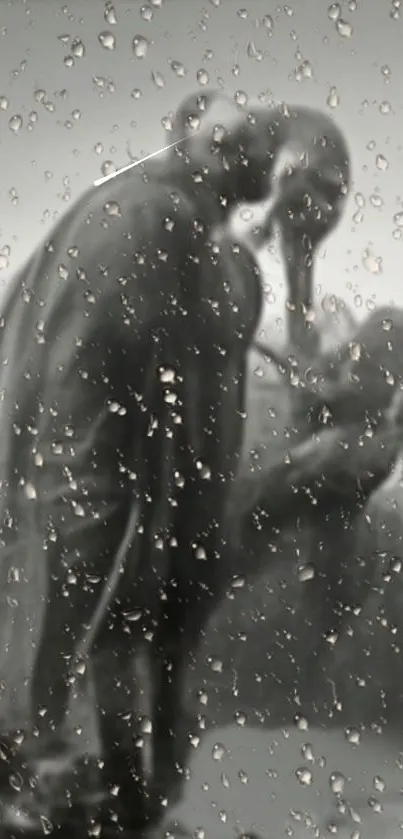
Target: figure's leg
{"type": "Point", "coordinates": [68, 612]}
{"type": "Point", "coordinates": [174, 652]}
{"type": "Point", "coordinates": [122, 735]}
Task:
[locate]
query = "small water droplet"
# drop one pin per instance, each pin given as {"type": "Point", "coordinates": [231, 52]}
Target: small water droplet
{"type": "Point", "coordinates": [177, 68]}
{"type": "Point", "coordinates": [333, 99]}
{"type": "Point", "coordinates": [16, 782]}
{"type": "Point", "coordinates": [108, 167]}
{"type": "Point", "coordinates": [15, 123]}
{"type": "Point", "coordinates": [218, 751]}
{"type": "Point", "coordinates": [202, 77]}
{"type": "Point", "coordinates": [4, 103]}
{"type": "Point", "coordinates": [140, 46]}
{"type": "Point", "coordinates": [381, 163]}
{"type": "Point", "coordinates": [158, 79]}
{"type": "Point", "coordinates": [107, 40]}
{"type": "Point", "coordinates": [267, 22]}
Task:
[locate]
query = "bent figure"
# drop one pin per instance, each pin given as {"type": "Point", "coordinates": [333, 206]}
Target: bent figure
{"type": "Point", "coordinates": [117, 445]}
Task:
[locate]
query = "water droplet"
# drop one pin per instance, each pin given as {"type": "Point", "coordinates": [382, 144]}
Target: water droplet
{"type": "Point", "coordinates": [344, 28]}
{"type": "Point", "coordinates": [353, 736]}
{"type": "Point", "coordinates": [253, 52]}
{"type": "Point", "coordinates": [385, 108]}
{"type": "Point", "coordinates": [140, 46]}
{"type": "Point", "coordinates": [241, 98]}
{"type": "Point", "coordinates": [107, 40]}
{"type": "Point", "coordinates": [398, 219]}
{"type": "Point", "coordinates": [379, 784]}
{"type": "Point", "coordinates": [333, 99]}
{"type": "Point", "coordinates": [304, 775]}
{"type": "Point", "coordinates": [16, 782]}
{"type": "Point", "coordinates": [306, 572]}
{"type": "Point", "coordinates": [177, 68]}
{"type": "Point", "coordinates": [334, 11]}
{"type": "Point", "coordinates": [386, 71]}
{"type": "Point", "coordinates": [4, 103]}
{"type": "Point", "coordinates": [112, 208]}
{"type": "Point", "coordinates": [146, 12]}
{"type": "Point", "coordinates": [337, 782]}
{"type": "Point", "coordinates": [216, 664]}
{"type": "Point", "coordinates": [267, 22]}
{"type": "Point", "coordinates": [146, 726]}
{"type": "Point", "coordinates": [354, 350]}
{"type": "Point", "coordinates": [301, 722]}
{"type": "Point", "coordinates": [68, 61]}
{"type": "Point", "coordinates": [218, 751]}
{"type": "Point", "coordinates": [158, 79]}
{"type": "Point", "coordinates": [15, 123]}
{"type": "Point", "coordinates": [108, 167]}
{"type": "Point", "coordinates": [203, 77]}
{"type": "Point", "coordinates": [110, 14]}
{"type": "Point", "coordinates": [78, 48]}
{"type": "Point", "coordinates": [381, 163]}
{"type": "Point", "coordinates": [136, 93]}
{"type": "Point", "coordinates": [372, 263]}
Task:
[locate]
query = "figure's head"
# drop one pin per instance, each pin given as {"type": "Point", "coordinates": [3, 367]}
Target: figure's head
{"type": "Point", "coordinates": [226, 145]}
{"type": "Point", "coordinates": [312, 191]}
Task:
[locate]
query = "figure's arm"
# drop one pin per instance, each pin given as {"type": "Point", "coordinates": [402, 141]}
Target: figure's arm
{"type": "Point", "coordinates": [336, 466]}
{"type": "Point", "coordinates": [83, 473]}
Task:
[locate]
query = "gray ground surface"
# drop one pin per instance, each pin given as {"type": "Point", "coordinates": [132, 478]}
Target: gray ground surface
{"type": "Point", "coordinates": [279, 783]}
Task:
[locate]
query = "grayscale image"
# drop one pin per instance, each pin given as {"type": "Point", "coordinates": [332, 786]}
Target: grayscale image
{"type": "Point", "coordinates": [201, 404]}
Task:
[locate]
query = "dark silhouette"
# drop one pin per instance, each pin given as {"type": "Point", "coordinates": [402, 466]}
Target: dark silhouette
{"type": "Point", "coordinates": [121, 427]}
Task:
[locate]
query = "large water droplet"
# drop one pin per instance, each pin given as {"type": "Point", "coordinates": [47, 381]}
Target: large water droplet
{"type": "Point", "coordinates": [15, 123]}
{"type": "Point", "coordinates": [218, 751]}
{"type": "Point", "coordinates": [304, 776]}
{"type": "Point", "coordinates": [146, 12]}
{"type": "Point", "coordinates": [107, 40]}
{"type": "Point", "coordinates": [241, 98]}
{"type": "Point", "coordinates": [344, 28]}
{"type": "Point", "coordinates": [353, 736]}
{"type": "Point", "coordinates": [78, 48]}
{"type": "Point", "coordinates": [372, 263]}
{"type": "Point", "coordinates": [110, 14]}
{"type": "Point", "coordinates": [112, 208]}
{"type": "Point", "coordinates": [334, 11]}
{"type": "Point", "coordinates": [306, 572]}
{"type": "Point", "coordinates": [337, 782]}
{"type": "Point", "coordinates": [47, 825]}
{"type": "Point", "coordinates": [140, 46]}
